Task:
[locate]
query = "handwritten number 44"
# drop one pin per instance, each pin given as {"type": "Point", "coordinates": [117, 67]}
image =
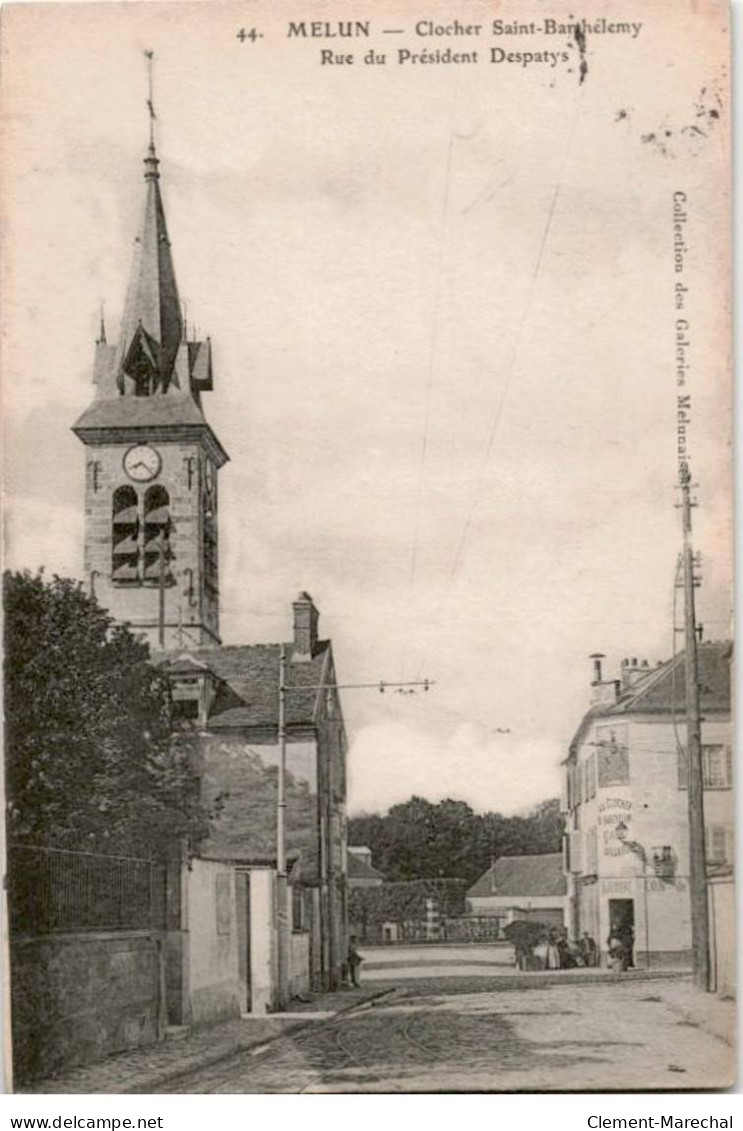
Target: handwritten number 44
{"type": "Point", "coordinates": [248, 33]}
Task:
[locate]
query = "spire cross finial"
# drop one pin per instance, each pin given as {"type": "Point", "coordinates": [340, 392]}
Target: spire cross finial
{"type": "Point", "coordinates": [150, 55]}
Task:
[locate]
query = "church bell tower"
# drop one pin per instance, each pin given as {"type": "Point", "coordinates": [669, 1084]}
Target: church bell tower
{"type": "Point", "coordinates": [152, 460]}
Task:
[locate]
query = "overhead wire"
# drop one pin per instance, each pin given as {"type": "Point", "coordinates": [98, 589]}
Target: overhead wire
{"type": "Point", "coordinates": [433, 347]}
{"type": "Point", "coordinates": [511, 363]}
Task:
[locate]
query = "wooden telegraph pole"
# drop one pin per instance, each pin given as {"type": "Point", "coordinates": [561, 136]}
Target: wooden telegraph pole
{"type": "Point", "coordinates": [281, 878]}
{"type": "Point", "coordinates": [695, 778]}
{"type": "Point", "coordinates": [282, 887]}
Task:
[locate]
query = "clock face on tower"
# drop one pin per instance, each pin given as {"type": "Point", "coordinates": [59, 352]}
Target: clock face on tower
{"type": "Point", "coordinates": [142, 463]}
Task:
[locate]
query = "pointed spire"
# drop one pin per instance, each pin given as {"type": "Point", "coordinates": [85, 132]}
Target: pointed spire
{"type": "Point", "coordinates": [151, 325]}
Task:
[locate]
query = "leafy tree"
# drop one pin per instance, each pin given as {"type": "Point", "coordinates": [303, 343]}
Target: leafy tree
{"type": "Point", "coordinates": [422, 840]}
{"type": "Point", "coordinates": [90, 762]}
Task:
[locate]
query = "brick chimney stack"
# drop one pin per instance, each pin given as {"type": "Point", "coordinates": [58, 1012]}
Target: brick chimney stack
{"type": "Point", "coordinates": [306, 617]}
{"type": "Point", "coordinates": [632, 671]}
{"type": "Point", "coordinates": [604, 692]}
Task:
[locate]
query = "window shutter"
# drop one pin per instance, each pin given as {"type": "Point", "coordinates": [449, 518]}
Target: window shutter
{"type": "Point", "coordinates": [716, 844]}
{"type": "Point", "coordinates": [576, 862]}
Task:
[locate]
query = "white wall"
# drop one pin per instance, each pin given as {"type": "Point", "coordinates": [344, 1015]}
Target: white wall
{"type": "Point", "coordinates": [655, 812]}
{"type": "Point", "coordinates": [214, 989]}
{"type": "Point", "coordinates": [263, 943]}
{"type": "Point", "coordinates": [723, 935]}
{"type": "Point", "coordinates": [299, 959]}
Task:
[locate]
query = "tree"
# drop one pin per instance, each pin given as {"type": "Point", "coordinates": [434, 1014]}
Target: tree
{"type": "Point", "coordinates": [422, 840]}
{"type": "Point", "coordinates": [90, 762]}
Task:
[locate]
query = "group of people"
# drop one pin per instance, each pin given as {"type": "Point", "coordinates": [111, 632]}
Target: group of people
{"type": "Point", "coordinates": [560, 955]}
{"type": "Point", "coordinates": [621, 944]}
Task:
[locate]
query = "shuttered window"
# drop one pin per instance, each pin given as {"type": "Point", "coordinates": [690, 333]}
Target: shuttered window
{"type": "Point", "coordinates": [718, 844]}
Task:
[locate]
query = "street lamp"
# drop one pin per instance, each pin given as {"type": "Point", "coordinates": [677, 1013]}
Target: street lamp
{"type": "Point", "coordinates": [634, 846]}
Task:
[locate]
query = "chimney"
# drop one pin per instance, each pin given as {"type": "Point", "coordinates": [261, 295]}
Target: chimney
{"type": "Point", "coordinates": [305, 628]}
{"type": "Point", "coordinates": [604, 693]}
{"type": "Point", "coordinates": [633, 671]}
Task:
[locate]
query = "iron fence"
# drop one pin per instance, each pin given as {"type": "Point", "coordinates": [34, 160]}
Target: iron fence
{"type": "Point", "coordinates": [454, 929]}
{"type": "Point", "coordinates": [472, 928]}
{"type": "Point", "coordinates": [54, 889]}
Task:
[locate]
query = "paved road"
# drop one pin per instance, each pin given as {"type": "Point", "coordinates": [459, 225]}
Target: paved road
{"type": "Point", "coordinates": [421, 1038]}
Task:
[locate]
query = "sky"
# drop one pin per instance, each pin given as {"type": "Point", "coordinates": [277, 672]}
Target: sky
{"type": "Point", "coordinates": [441, 303]}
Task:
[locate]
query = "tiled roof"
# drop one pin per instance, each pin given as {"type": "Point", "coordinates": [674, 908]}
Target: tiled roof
{"type": "Point", "coordinates": [358, 869]}
{"type": "Point", "coordinates": [247, 677]}
{"type": "Point", "coordinates": [523, 876]}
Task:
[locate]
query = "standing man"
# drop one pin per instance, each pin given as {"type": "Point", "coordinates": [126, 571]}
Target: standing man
{"type": "Point", "coordinates": [354, 962]}
{"type": "Point", "coordinates": [627, 937]}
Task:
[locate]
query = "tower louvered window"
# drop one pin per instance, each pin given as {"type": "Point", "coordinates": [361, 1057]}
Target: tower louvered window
{"type": "Point", "coordinates": [157, 553]}
{"type": "Point", "coordinates": [125, 537]}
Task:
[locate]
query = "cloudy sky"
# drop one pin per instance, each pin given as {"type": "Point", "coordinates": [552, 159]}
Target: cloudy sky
{"type": "Point", "coordinates": [441, 304]}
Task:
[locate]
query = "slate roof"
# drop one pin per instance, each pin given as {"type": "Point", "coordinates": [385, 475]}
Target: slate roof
{"type": "Point", "coordinates": [247, 677]}
{"type": "Point", "coordinates": [152, 300]}
{"type": "Point", "coordinates": [519, 876]}
{"type": "Point", "coordinates": [141, 412]}
{"type": "Point", "coordinates": [663, 690]}
{"type": "Point", "coordinates": [358, 869]}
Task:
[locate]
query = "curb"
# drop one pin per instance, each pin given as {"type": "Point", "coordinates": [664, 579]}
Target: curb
{"type": "Point", "coordinates": [544, 980]}
{"type": "Point", "coordinates": [196, 1063]}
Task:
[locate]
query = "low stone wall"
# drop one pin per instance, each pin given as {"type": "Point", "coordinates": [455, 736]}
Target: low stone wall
{"type": "Point", "coordinates": [79, 997]}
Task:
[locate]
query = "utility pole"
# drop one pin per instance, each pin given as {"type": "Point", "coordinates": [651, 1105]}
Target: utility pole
{"type": "Point", "coordinates": [281, 876]}
{"type": "Point", "coordinates": [695, 777]}
{"type": "Point", "coordinates": [281, 880]}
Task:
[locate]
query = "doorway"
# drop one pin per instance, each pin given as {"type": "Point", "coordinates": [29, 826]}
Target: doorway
{"type": "Point", "coordinates": [242, 893]}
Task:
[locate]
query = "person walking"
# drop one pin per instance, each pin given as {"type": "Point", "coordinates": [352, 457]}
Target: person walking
{"type": "Point", "coordinates": [353, 962]}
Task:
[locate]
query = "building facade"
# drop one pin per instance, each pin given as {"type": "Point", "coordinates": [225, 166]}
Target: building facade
{"type": "Point", "coordinates": [226, 708]}
{"type": "Point", "coordinates": [152, 460]}
{"type": "Point", "coordinates": [625, 803]}
{"type": "Point", "coordinates": [522, 887]}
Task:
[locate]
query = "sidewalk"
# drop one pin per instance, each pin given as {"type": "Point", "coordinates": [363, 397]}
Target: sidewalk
{"type": "Point", "coordinates": [709, 1012]}
{"type": "Point", "coordinates": [142, 1070]}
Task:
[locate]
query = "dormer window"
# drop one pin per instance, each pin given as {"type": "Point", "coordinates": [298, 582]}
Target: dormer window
{"type": "Point", "coordinates": [192, 691]}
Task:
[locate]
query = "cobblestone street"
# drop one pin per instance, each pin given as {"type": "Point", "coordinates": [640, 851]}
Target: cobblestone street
{"type": "Point", "coordinates": [426, 1038]}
